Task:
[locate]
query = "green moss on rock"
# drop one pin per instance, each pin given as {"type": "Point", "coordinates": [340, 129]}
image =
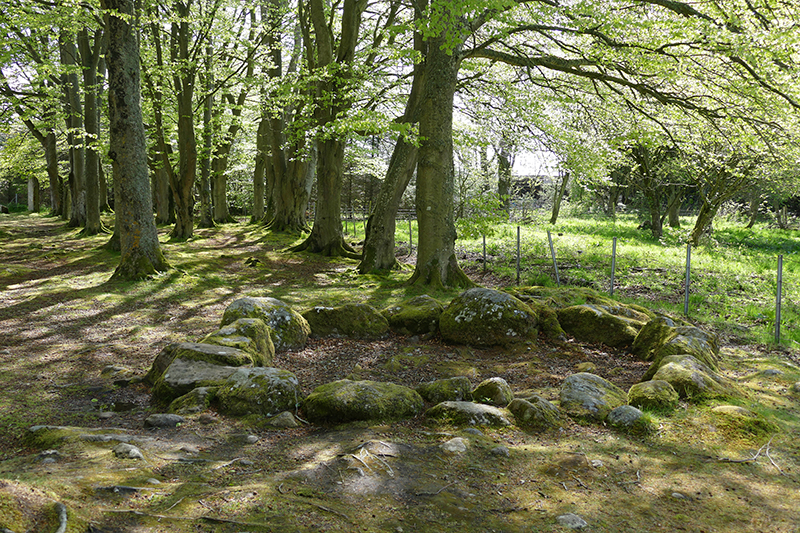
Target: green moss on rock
{"type": "Point", "coordinates": [355, 321]}
{"type": "Point", "coordinates": [346, 401]}
{"type": "Point", "coordinates": [534, 412]}
{"type": "Point", "coordinates": [692, 379]}
{"type": "Point", "coordinates": [196, 401]}
{"type": "Point", "coordinates": [493, 391]}
{"type": "Point", "coordinates": [655, 394]}
{"type": "Point", "coordinates": [587, 396]}
{"type": "Point", "coordinates": [288, 329]}
{"type": "Point", "coordinates": [416, 316]}
{"type": "Point", "coordinates": [486, 317]}
{"type": "Point", "coordinates": [469, 414]}
{"type": "Point", "coordinates": [451, 389]}
{"type": "Point", "coordinates": [262, 391]}
{"type": "Point", "coordinates": [593, 323]}
{"type": "Point", "coordinates": [247, 334]}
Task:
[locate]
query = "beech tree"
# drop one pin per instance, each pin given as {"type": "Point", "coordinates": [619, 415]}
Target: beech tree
{"type": "Point", "coordinates": [141, 252]}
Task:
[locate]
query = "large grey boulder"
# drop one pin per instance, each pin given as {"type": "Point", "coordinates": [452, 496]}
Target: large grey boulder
{"type": "Point", "coordinates": [588, 396]}
{"type": "Point", "coordinates": [486, 317]}
{"type": "Point", "coordinates": [248, 334]}
{"type": "Point", "coordinates": [469, 414]}
{"type": "Point", "coordinates": [693, 379]}
{"type": "Point", "coordinates": [654, 394]}
{"type": "Point", "coordinates": [417, 316]}
{"type": "Point", "coordinates": [493, 391]}
{"type": "Point", "coordinates": [451, 389]}
{"type": "Point", "coordinates": [614, 326]}
{"type": "Point", "coordinates": [346, 400]}
{"type": "Point", "coordinates": [629, 419]}
{"type": "Point", "coordinates": [288, 329]}
{"type": "Point", "coordinates": [182, 376]}
{"type": "Point", "coordinates": [261, 391]}
{"type": "Point", "coordinates": [212, 354]}
{"type": "Point", "coordinates": [355, 321]}
{"type": "Point", "coordinates": [535, 412]}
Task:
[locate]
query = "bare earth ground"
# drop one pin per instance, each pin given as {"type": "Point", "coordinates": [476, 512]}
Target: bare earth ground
{"type": "Point", "coordinates": [62, 321]}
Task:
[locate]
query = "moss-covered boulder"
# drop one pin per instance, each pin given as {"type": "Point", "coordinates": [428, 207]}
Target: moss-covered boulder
{"type": "Point", "coordinates": [534, 412]}
{"type": "Point", "coordinates": [355, 321]}
{"type": "Point", "coordinates": [288, 329]}
{"type": "Point", "coordinates": [693, 379]}
{"type": "Point", "coordinates": [195, 401]}
{"type": "Point", "coordinates": [260, 391]}
{"type": "Point", "coordinates": [182, 376]}
{"type": "Point", "coordinates": [346, 401]}
{"type": "Point", "coordinates": [588, 396]}
{"type": "Point", "coordinates": [654, 394]}
{"type": "Point", "coordinates": [213, 354]}
{"type": "Point", "coordinates": [442, 390]}
{"type": "Point", "coordinates": [248, 334]}
{"type": "Point", "coordinates": [688, 340]}
{"type": "Point", "coordinates": [652, 335]}
{"type": "Point", "coordinates": [614, 326]}
{"type": "Point", "coordinates": [486, 317]}
{"type": "Point", "coordinates": [630, 420]}
{"type": "Point", "coordinates": [493, 391]}
{"type": "Point", "coordinates": [417, 316]}
{"type": "Point", "coordinates": [469, 414]}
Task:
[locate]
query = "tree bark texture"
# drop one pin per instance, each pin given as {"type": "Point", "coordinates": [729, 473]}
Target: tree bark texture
{"type": "Point", "coordinates": [436, 260]}
{"type": "Point", "coordinates": [90, 50]}
{"type": "Point", "coordinates": [141, 252]}
{"type": "Point", "coordinates": [70, 85]}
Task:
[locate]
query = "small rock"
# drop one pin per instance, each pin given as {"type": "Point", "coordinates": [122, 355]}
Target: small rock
{"type": "Point", "coordinates": [284, 420]}
{"type": "Point", "coordinates": [597, 463]}
{"type": "Point", "coordinates": [105, 415]}
{"type": "Point", "coordinates": [474, 431]}
{"type": "Point", "coordinates": [127, 451]}
{"type": "Point", "coordinates": [251, 439]}
{"type": "Point", "coordinates": [586, 367]}
{"type": "Point", "coordinates": [49, 456]}
{"type": "Point", "coordinates": [152, 481]}
{"type": "Point", "coordinates": [734, 410]}
{"type": "Point", "coordinates": [188, 448]}
{"type": "Point", "coordinates": [207, 419]}
{"type": "Point", "coordinates": [679, 496]}
{"type": "Point", "coordinates": [500, 451]}
{"type": "Point", "coordinates": [454, 446]}
{"type": "Point", "coordinates": [772, 372]}
{"type": "Point", "coordinates": [571, 521]}
{"type": "Point", "coordinates": [163, 420]}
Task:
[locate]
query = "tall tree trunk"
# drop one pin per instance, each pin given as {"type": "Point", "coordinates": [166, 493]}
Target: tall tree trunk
{"type": "Point", "coordinates": [703, 223]}
{"type": "Point", "coordinates": [141, 252]}
{"type": "Point", "coordinates": [260, 170]}
{"type": "Point", "coordinates": [559, 192]}
{"type": "Point", "coordinates": [331, 100]}
{"type": "Point", "coordinates": [504, 173]}
{"type": "Point", "coordinates": [51, 157]}
{"type": "Point", "coordinates": [90, 56]}
{"type": "Point", "coordinates": [70, 85]}
{"type": "Point", "coordinates": [674, 208]}
{"type": "Point", "coordinates": [436, 259]}
{"type": "Point", "coordinates": [755, 203]}
{"type": "Point", "coordinates": [206, 218]}
{"type": "Point", "coordinates": [379, 246]}
{"type": "Point", "coordinates": [182, 182]}
{"type": "Point", "coordinates": [162, 197]}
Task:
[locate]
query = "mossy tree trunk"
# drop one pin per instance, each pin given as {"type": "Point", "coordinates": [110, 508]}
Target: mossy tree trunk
{"type": "Point", "coordinates": [70, 85]}
{"type": "Point", "coordinates": [90, 49]}
{"type": "Point", "coordinates": [141, 252]}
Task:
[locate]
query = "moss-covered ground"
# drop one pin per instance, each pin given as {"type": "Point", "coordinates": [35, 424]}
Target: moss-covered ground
{"type": "Point", "coordinates": [62, 321]}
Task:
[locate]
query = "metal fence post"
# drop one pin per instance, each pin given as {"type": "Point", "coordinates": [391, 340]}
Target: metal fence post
{"type": "Point", "coordinates": [613, 264]}
{"type": "Point", "coordinates": [553, 253]}
{"type": "Point", "coordinates": [778, 301]}
{"type": "Point", "coordinates": [688, 270]}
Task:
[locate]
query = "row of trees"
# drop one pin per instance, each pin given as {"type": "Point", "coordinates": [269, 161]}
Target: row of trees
{"type": "Point", "coordinates": [660, 92]}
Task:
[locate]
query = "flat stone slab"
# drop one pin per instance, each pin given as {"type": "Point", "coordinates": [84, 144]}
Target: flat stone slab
{"type": "Point", "coordinates": [470, 414]}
